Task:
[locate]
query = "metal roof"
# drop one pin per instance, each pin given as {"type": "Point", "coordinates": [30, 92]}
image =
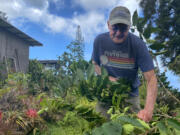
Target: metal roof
{"type": "Point", "coordinates": [48, 61]}
{"type": "Point", "coordinates": [7, 26]}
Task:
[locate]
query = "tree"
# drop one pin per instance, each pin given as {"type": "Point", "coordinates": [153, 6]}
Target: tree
{"type": "Point", "coordinates": [161, 19]}
{"type": "Point", "coordinates": [75, 54]}
{"type": "Point", "coordinates": [76, 47]}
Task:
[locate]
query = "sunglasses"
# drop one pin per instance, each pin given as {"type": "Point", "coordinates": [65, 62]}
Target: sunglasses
{"type": "Point", "coordinates": [121, 27]}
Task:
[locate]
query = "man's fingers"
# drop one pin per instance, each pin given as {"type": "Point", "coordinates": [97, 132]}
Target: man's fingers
{"type": "Point", "coordinates": [113, 79]}
{"type": "Point", "coordinates": [144, 116]}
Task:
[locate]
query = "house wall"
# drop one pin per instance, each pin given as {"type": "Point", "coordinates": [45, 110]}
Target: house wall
{"type": "Point", "coordinates": [12, 46]}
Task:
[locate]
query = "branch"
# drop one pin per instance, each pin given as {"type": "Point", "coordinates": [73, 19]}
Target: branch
{"type": "Point", "coordinates": [168, 91]}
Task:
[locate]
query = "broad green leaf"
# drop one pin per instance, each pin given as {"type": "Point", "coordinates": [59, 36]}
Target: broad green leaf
{"type": "Point", "coordinates": [110, 128]}
{"type": "Point", "coordinates": [146, 126]}
{"type": "Point", "coordinates": [160, 53]}
{"type": "Point", "coordinates": [110, 111]}
{"type": "Point", "coordinates": [135, 18]}
{"type": "Point", "coordinates": [129, 120]}
{"type": "Point", "coordinates": [128, 129]}
{"type": "Point", "coordinates": [98, 131]}
{"type": "Point", "coordinates": [174, 124]}
{"type": "Point", "coordinates": [140, 25]}
{"type": "Point", "coordinates": [42, 110]}
{"type": "Point", "coordinates": [177, 132]}
{"type": "Point", "coordinates": [126, 109]}
{"type": "Point", "coordinates": [104, 72]}
{"type": "Point", "coordinates": [90, 71]}
{"type": "Point", "coordinates": [155, 29]}
{"type": "Point", "coordinates": [80, 74]}
{"type": "Point", "coordinates": [150, 41]}
{"type": "Point", "coordinates": [162, 128]}
{"type": "Point", "coordinates": [147, 32]}
{"type": "Point", "coordinates": [156, 46]}
{"type": "Point", "coordinates": [132, 30]}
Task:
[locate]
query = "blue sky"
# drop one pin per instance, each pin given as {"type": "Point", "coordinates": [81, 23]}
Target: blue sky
{"type": "Point", "coordinates": [54, 23]}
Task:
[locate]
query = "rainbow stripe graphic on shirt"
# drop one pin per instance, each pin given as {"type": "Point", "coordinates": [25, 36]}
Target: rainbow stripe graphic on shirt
{"type": "Point", "coordinates": [123, 63]}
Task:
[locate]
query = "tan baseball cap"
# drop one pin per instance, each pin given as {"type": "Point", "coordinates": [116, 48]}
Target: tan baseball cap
{"type": "Point", "coordinates": [120, 14]}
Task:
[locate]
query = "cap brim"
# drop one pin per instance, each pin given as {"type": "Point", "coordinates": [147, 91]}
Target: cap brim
{"type": "Point", "coordinates": [115, 21]}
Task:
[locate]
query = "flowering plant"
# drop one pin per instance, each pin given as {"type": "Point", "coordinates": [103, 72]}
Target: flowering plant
{"type": "Point", "coordinates": [0, 115]}
{"type": "Point", "coordinates": [32, 113]}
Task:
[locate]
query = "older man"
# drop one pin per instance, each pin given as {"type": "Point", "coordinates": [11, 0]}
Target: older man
{"type": "Point", "coordinates": [121, 53]}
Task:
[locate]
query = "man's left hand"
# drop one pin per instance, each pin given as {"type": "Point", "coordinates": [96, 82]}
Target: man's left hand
{"type": "Point", "coordinates": [145, 115]}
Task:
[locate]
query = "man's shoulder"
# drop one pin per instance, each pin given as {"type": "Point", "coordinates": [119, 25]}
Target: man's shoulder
{"type": "Point", "coordinates": [134, 37]}
{"type": "Point", "coordinates": [136, 40]}
{"type": "Point", "coordinates": [102, 35]}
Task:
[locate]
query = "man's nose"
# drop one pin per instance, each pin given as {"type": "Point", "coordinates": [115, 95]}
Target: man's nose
{"type": "Point", "coordinates": [117, 32]}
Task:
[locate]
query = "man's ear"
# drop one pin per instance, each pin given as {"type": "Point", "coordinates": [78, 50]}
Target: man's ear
{"type": "Point", "coordinates": [108, 24]}
{"type": "Point", "coordinates": [128, 28]}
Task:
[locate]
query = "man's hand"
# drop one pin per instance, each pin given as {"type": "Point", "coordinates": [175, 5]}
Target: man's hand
{"type": "Point", "coordinates": [113, 79]}
{"type": "Point", "coordinates": [145, 115]}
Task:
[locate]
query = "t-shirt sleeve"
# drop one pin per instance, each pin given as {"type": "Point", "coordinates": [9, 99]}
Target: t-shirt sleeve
{"type": "Point", "coordinates": [144, 59]}
{"type": "Point", "coordinates": [95, 53]}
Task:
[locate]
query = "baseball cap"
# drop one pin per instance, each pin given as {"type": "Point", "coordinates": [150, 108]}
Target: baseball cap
{"type": "Point", "coordinates": [120, 14]}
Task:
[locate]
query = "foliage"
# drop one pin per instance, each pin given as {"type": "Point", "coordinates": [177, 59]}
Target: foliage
{"type": "Point", "coordinates": [161, 19]}
{"type": "Point", "coordinates": [42, 80]}
{"type": "Point", "coordinates": [128, 125]}
{"type": "Point", "coordinates": [164, 99]}
{"type": "Point", "coordinates": [99, 87]}
{"type": "Point", "coordinates": [36, 70]}
{"type": "Point", "coordinates": [10, 95]}
{"type": "Point", "coordinates": [77, 50]}
{"type": "Point", "coordinates": [74, 112]}
{"type": "Point", "coordinates": [63, 101]}
{"type": "Point", "coordinates": [2, 73]}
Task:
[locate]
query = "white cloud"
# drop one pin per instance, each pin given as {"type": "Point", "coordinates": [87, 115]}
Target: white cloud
{"type": "Point", "coordinates": [92, 22]}
{"type": "Point", "coordinates": [33, 10]}
{"type": "Point", "coordinates": [95, 4]}
{"type": "Point", "coordinates": [58, 3]}
{"type": "Point", "coordinates": [40, 4]}
{"type": "Point", "coordinates": [21, 8]}
{"type": "Point", "coordinates": [132, 5]}
{"type": "Point", "coordinates": [54, 23]}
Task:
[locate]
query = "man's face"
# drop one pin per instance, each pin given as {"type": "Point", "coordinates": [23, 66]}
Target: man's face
{"type": "Point", "coordinates": [118, 32]}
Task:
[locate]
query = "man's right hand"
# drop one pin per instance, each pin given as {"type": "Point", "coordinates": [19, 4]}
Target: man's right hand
{"type": "Point", "coordinates": [113, 79]}
{"type": "Point", "coordinates": [98, 72]}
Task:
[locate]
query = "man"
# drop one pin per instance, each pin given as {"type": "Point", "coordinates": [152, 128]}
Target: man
{"type": "Point", "coordinates": [121, 53]}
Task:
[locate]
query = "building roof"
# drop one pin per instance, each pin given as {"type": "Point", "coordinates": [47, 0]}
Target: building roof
{"type": "Point", "coordinates": [48, 61]}
{"type": "Point", "coordinates": [7, 26]}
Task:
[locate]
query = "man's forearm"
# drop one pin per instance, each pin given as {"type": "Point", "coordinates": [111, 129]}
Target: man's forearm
{"type": "Point", "coordinates": [151, 93]}
{"type": "Point", "coordinates": [147, 113]}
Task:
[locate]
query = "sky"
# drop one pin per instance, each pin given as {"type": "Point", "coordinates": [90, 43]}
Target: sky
{"type": "Point", "coordinates": [54, 23]}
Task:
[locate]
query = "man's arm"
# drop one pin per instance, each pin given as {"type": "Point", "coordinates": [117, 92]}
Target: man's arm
{"type": "Point", "coordinates": [147, 112]}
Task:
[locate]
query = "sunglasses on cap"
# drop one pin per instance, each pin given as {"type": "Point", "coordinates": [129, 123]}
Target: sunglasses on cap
{"type": "Point", "coordinates": [119, 26]}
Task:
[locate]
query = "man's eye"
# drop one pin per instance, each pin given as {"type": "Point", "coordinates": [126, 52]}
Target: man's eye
{"type": "Point", "coordinates": [115, 28]}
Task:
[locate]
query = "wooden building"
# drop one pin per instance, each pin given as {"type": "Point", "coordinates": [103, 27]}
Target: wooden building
{"type": "Point", "coordinates": [14, 47]}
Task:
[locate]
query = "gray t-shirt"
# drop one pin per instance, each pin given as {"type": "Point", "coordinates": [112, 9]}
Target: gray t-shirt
{"type": "Point", "coordinates": [122, 60]}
